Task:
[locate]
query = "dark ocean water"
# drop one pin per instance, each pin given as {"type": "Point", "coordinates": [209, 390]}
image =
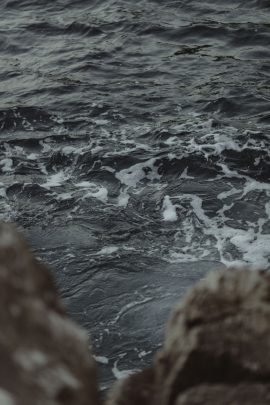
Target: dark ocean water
{"type": "Point", "coordinates": [134, 153]}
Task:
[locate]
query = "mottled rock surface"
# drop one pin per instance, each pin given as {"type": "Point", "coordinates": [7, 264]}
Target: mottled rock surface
{"type": "Point", "coordinates": [44, 357]}
{"type": "Point", "coordinates": [217, 347]}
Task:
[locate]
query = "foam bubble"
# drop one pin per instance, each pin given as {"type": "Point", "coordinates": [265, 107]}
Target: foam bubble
{"type": "Point", "coordinates": [108, 250]}
{"type": "Point", "coordinates": [138, 172]}
{"type": "Point", "coordinates": [120, 374]}
{"type": "Point", "coordinates": [169, 210]}
{"type": "Point", "coordinates": [6, 164]}
{"type": "Point", "coordinates": [101, 359]}
{"type": "Point", "coordinates": [123, 198]}
{"type": "Point", "coordinates": [55, 180]}
{"type": "Point", "coordinates": [94, 190]}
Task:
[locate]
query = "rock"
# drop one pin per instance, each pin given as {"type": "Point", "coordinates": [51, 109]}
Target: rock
{"type": "Point", "coordinates": [137, 389]}
{"type": "Point", "coordinates": [216, 350]}
{"type": "Point", "coordinates": [218, 343]}
{"type": "Point", "coordinates": [45, 358]}
{"type": "Point", "coordinates": [242, 394]}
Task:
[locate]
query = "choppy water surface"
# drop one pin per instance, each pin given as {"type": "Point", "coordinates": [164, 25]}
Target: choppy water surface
{"type": "Point", "coordinates": [134, 152]}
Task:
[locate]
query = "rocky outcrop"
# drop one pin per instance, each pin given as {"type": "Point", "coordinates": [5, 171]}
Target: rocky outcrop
{"type": "Point", "coordinates": [44, 357]}
{"type": "Point", "coordinates": [217, 347]}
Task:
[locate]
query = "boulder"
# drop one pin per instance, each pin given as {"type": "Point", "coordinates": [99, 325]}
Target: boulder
{"type": "Point", "coordinates": [218, 340]}
{"type": "Point", "coordinates": [216, 350]}
{"type": "Point", "coordinates": [44, 357]}
{"type": "Point", "coordinates": [241, 394]}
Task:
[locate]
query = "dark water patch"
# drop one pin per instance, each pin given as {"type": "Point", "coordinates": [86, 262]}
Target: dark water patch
{"type": "Point", "coordinates": [241, 211]}
{"type": "Point", "coordinates": [59, 160]}
{"type": "Point", "coordinates": [262, 54]}
{"type": "Point", "coordinates": [26, 118]}
{"type": "Point", "coordinates": [246, 104]}
{"type": "Point", "coordinates": [47, 29]}
{"type": "Point", "coordinates": [58, 237]}
{"type": "Point", "coordinates": [191, 50]}
{"type": "Point", "coordinates": [196, 166]}
{"type": "Point", "coordinates": [251, 162]}
{"type": "Point", "coordinates": [26, 191]}
{"type": "Point", "coordinates": [25, 168]}
{"type": "Point", "coordinates": [264, 118]}
{"type": "Point", "coordinates": [256, 3]}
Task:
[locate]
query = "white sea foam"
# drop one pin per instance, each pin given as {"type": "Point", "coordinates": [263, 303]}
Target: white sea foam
{"type": "Point", "coordinates": [120, 374]}
{"type": "Point", "coordinates": [129, 306]}
{"type": "Point", "coordinates": [108, 250]}
{"type": "Point", "coordinates": [2, 191]}
{"type": "Point", "coordinates": [184, 174]}
{"type": "Point", "coordinates": [138, 172]}
{"type": "Point", "coordinates": [254, 247]}
{"type": "Point", "coordinates": [251, 244]}
{"type": "Point", "coordinates": [207, 237]}
{"type": "Point", "coordinates": [55, 180]}
{"type": "Point", "coordinates": [6, 164]}
{"type": "Point", "coordinates": [68, 150]}
{"type": "Point", "coordinates": [143, 353]}
{"type": "Point", "coordinates": [32, 156]}
{"type": "Point", "coordinates": [64, 196]}
{"type": "Point", "coordinates": [228, 193]}
{"type": "Point", "coordinates": [169, 210]}
{"type": "Point", "coordinates": [93, 190]}
{"type": "Point", "coordinates": [123, 198]}
{"type": "Point", "coordinates": [101, 359]}
{"type": "Point", "coordinates": [198, 235]}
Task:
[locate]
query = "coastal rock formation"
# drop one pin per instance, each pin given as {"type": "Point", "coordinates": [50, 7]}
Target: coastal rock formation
{"type": "Point", "coordinates": [216, 350]}
{"type": "Point", "coordinates": [45, 358]}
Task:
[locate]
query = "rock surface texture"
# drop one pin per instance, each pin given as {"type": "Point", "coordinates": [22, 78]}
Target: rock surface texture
{"type": "Point", "coordinates": [217, 347]}
{"type": "Point", "coordinates": [44, 357]}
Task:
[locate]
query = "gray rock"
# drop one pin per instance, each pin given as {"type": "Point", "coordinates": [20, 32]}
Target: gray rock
{"type": "Point", "coordinates": [45, 357]}
{"type": "Point", "coordinates": [219, 335]}
{"type": "Point", "coordinates": [242, 394]}
{"type": "Point", "coordinates": [216, 350]}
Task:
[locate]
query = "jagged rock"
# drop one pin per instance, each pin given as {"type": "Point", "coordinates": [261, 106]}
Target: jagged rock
{"type": "Point", "coordinates": [44, 357]}
{"type": "Point", "coordinates": [217, 347]}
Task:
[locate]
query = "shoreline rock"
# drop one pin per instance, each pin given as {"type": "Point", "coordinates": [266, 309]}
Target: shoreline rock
{"type": "Point", "coordinates": [45, 357]}
{"type": "Point", "coordinates": [216, 348]}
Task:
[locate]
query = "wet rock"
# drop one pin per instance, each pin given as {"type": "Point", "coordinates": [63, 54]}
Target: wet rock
{"type": "Point", "coordinates": [216, 350]}
{"type": "Point", "coordinates": [45, 357]}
